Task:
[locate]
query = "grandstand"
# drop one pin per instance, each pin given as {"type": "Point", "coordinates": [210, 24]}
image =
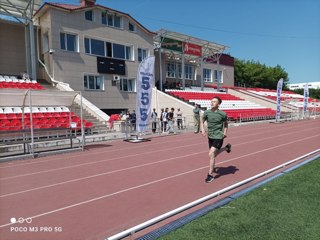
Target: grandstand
{"type": "Point", "coordinates": [291, 98]}
{"type": "Point", "coordinates": [14, 82]}
{"type": "Point", "coordinates": [28, 116]}
{"type": "Point", "coordinates": [189, 69]}
{"type": "Point", "coordinates": [235, 107]}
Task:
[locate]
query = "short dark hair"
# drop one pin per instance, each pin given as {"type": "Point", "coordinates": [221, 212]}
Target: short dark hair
{"type": "Point", "coordinates": [219, 99]}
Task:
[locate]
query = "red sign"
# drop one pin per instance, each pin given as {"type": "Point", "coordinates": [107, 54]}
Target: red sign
{"type": "Point", "coordinates": [192, 49]}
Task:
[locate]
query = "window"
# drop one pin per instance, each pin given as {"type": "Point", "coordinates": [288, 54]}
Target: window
{"type": "Point", "coordinates": [188, 71]}
{"type": "Point", "coordinates": [45, 42]}
{"type": "Point", "coordinates": [179, 67]}
{"type": "Point", "coordinates": [68, 42]}
{"type": "Point", "coordinates": [142, 54]}
{"type": "Point", "coordinates": [92, 82]}
{"type": "Point", "coordinates": [107, 49]}
{"type": "Point", "coordinates": [62, 41]}
{"type": "Point", "coordinates": [118, 51]}
{"type": "Point", "coordinates": [132, 28]}
{"type": "Point", "coordinates": [127, 85]}
{"type": "Point", "coordinates": [176, 68]}
{"type": "Point", "coordinates": [111, 20]}
{"type": "Point", "coordinates": [89, 15]}
{"type": "Point", "coordinates": [171, 70]}
{"type": "Point", "coordinates": [128, 53]}
{"type": "Point", "coordinates": [104, 18]}
{"type": "Point", "coordinates": [207, 75]}
{"type": "Point", "coordinates": [122, 52]}
{"type": "Point", "coordinates": [87, 45]}
{"type": "Point", "coordinates": [216, 76]}
{"type": "Point", "coordinates": [97, 47]}
{"type": "Point", "coordinates": [117, 21]}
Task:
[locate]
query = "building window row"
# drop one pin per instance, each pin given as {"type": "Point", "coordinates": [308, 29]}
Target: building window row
{"type": "Point", "coordinates": [111, 20]}
{"type": "Point", "coordinates": [207, 75]}
{"type": "Point", "coordinates": [69, 42]}
{"type": "Point", "coordinates": [127, 84]}
{"type": "Point", "coordinates": [220, 76]}
{"type": "Point", "coordinates": [174, 70]}
{"type": "Point", "coordinates": [93, 82]}
{"type": "Point", "coordinates": [108, 49]}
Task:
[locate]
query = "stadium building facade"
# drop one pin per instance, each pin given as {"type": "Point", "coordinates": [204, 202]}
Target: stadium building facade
{"type": "Point", "coordinates": [97, 50]}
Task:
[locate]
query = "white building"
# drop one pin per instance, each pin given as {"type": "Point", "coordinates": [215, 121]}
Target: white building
{"type": "Point", "coordinates": [294, 86]}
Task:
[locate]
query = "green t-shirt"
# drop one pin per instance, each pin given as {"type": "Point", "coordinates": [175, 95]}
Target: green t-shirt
{"type": "Point", "coordinates": [215, 122]}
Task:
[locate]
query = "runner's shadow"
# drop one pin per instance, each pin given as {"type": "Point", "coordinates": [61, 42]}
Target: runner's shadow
{"type": "Point", "coordinates": [221, 171]}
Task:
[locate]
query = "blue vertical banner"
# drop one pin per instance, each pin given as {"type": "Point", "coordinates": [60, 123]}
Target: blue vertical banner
{"type": "Point", "coordinates": [279, 91]}
{"type": "Point", "coordinates": [305, 99]}
{"type": "Point", "coordinates": [145, 82]}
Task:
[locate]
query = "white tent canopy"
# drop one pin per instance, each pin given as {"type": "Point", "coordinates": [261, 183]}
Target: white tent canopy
{"type": "Point", "coordinates": [19, 8]}
{"type": "Point", "coordinates": [18, 98]}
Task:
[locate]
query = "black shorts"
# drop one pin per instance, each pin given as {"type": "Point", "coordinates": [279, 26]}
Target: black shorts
{"type": "Point", "coordinates": [216, 143]}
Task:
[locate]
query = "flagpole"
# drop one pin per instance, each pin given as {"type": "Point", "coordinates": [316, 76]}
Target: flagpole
{"type": "Point", "coordinates": [305, 100]}
{"type": "Point", "coordinates": [279, 90]}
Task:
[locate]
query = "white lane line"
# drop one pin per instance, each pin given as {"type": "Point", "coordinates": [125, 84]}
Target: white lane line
{"type": "Point", "coordinates": [128, 148]}
{"type": "Point", "coordinates": [153, 163]}
{"type": "Point", "coordinates": [139, 154]}
{"type": "Point", "coordinates": [147, 184]}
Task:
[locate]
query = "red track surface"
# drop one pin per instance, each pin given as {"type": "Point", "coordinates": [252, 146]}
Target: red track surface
{"type": "Point", "coordinates": [113, 186]}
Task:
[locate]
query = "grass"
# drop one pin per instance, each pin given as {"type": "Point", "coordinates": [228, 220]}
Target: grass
{"type": "Point", "coordinates": [286, 208]}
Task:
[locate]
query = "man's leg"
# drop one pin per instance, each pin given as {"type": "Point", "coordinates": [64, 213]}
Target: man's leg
{"type": "Point", "coordinates": [227, 148]}
{"type": "Point", "coordinates": [196, 124]}
{"type": "Point", "coordinates": [213, 153]}
{"type": "Point", "coordinates": [212, 156]}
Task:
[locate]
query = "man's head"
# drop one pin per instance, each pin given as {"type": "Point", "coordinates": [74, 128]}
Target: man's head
{"type": "Point", "coordinates": [215, 102]}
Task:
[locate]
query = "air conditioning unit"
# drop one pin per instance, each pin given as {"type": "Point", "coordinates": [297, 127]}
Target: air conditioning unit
{"type": "Point", "coordinates": [116, 78]}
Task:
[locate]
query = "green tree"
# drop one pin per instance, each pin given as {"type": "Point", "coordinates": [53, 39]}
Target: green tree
{"type": "Point", "coordinates": [254, 74]}
{"type": "Point", "coordinates": [313, 93]}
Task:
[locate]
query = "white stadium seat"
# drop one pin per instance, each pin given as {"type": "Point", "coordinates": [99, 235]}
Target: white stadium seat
{"type": "Point", "coordinates": [7, 110]}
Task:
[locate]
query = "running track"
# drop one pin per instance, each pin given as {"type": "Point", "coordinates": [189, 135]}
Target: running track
{"type": "Point", "coordinates": [115, 185]}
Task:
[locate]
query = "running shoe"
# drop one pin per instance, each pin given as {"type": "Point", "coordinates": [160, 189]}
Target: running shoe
{"type": "Point", "coordinates": [209, 178]}
{"type": "Point", "coordinates": [228, 148]}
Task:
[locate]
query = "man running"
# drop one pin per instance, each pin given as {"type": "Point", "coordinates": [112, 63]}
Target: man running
{"type": "Point", "coordinates": [217, 122]}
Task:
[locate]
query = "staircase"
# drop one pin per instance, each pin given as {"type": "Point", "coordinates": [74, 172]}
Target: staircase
{"type": "Point", "coordinates": [99, 127]}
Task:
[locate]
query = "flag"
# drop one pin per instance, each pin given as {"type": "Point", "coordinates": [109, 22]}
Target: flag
{"type": "Point", "coordinates": [305, 99]}
{"type": "Point", "coordinates": [279, 90]}
{"type": "Point", "coordinates": [145, 82]}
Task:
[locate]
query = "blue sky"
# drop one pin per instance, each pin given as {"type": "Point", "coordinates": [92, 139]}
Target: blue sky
{"type": "Point", "coordinates": [284, 32]}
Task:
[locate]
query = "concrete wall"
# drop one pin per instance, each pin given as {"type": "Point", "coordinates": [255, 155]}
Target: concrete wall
{"type": "Point", "coordinates": [70, 67]}
{"type": "Point", "coordinates": [12, 48]}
